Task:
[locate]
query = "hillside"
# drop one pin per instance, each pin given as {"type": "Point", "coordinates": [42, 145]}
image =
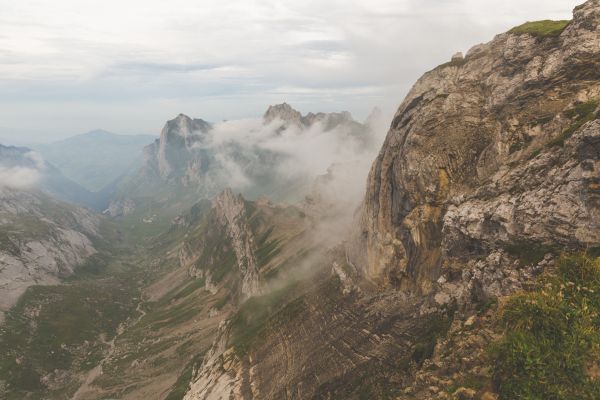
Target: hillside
{"type": "Point", "coordinates": [23, 167]}
{"type": "Point", "coordinates": [42, 241]}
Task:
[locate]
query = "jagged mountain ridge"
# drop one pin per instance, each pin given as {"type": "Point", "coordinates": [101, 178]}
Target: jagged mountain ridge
{"type": "Point", "coordinates": [195, 158]}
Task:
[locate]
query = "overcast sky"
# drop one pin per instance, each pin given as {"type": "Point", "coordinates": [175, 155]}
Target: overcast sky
{"type": "Point", "coordinates": [70, 66]}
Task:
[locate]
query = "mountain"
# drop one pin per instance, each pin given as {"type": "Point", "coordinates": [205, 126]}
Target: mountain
{"type": "Point", "coordinates": [469, 270]}
{"type": "Point", "coordinates": [95, 159]}
{"type": "Point", "coordinates": [173, 151]}
{"type": "Point", "coordinates": [193, 159]}
{"type": "Point", "coordinates": [23, 167]}
{"type": "Point", "coordinates": [41, 242]}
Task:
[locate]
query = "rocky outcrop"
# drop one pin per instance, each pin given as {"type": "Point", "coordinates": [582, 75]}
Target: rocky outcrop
{"type": "Point", "coordinates": [288, 117]}
{"type": "Point", "coordinates": [231, 213]}
{"type": "Point", "coordinates": [283, 112]}
{"type": "Point", "coordinates": [226, 241]}
{"type": "Point", "coordinates": [551, 199]}
{"type": "Point", "coordinates": [171, 152]}
{"type": "Point", "coordinates": [330, 342]}
{"type": "Point", "coordinates": [41, 242]}
{"type": "Point", "coordinates": [213, 379]}
{"type": "Point", "coordinates": [478, 156]}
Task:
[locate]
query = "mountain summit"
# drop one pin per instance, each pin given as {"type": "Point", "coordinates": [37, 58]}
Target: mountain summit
{"type": "Point", "coordinates": [174, 148]}
{"type": "Point", "coordinates": [288, 116]}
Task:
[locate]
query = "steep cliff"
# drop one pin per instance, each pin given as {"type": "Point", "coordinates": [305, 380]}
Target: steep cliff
{"type": "Point", "coordinates": [489, 150]}
{"type": "Point", "coordinates": [170, 153]}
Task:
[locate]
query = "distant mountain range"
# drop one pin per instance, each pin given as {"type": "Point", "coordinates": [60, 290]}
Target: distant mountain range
{"type": "Point", "coordinates": [22, 167]}
{"type": "Point", "coordinates": [95, 159]}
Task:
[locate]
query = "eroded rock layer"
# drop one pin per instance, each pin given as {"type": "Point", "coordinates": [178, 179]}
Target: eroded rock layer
{"type": "Point", "coordinates": [479, 154]}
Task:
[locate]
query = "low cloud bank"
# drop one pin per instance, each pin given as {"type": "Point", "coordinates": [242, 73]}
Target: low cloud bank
{"type": "Point", "coordinates": [333, 159]}
{"type": "Point", "coordinates": [20, 169]}
{"type": "Point", "coordinates": [19, 177]}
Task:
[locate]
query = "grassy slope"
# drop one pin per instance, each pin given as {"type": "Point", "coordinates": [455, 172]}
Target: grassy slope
{"type": "Point", "coordinates": [545, 28]}
{"type": "Point", "coordinates": [551, 346]}
{"type": "Point", "coordinates": [64, 327]}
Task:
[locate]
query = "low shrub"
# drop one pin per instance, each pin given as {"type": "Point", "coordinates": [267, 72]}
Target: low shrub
{"type": "Point", "coordinates": [552, 337]}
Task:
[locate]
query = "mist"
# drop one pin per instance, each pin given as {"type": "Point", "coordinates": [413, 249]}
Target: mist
{"type": "Point", "coordinates": [290, 161]}
{"type": "Point", "coordinates": [21, 171]}
{"type": "Point", "coordinates": [18, 177]}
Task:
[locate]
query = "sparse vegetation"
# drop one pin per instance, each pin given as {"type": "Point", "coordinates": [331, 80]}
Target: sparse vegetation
{"type": "Point", "coordinates": [51, 326]}
{"type": "Point", "coordinates": [542, 29]}
{"type": "Point", "coordinates": [471, 382]}
{"type": "Point", "coordinates": [581, 114]}
{"type": "Point", "coordinates": [528, 252]}
{"type": "Point", "coordinates": [437, 326]}
{"type": "Point", "coordinates": [180, 387]}
{"type": "Point", "coordinates": [552, 343]}
{"type": "Point", "coordinates": [520, 144]}
{"type": "Point", "coordinates": [252, 317]}
{"type": "Point", "coordinates": [221, 302]}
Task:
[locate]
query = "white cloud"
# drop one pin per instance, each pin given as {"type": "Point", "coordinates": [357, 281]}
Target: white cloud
{"type": "Point", "coordinates": [18, 177]}
{"type": "Point", "coordinates": [128, 65]}
{"type": "Point", "coordinates": [37, 159]}
{"type": "Point", "coordinates": [254, 155]}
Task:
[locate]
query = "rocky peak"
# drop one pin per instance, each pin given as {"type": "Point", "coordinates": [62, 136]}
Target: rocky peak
{"type": "Point", "coordinates": [283, 112]}
{"type": "Point", "coordinates": [183, 131]}
{"type": "Point", "coordinates": [229, 207]}
{"type": "Point", "coordinates": [583, 31]}
{"type": "Point", "coordinates": [375, 115]}
{"type": "Point", "coordinates": [184, 126]}
{"type": "Point", "coordinates": [177, 141]}
{"type": "Point", "coordinates": [291, 117]}
{"type": "Point", "coordinates": [328, 120]}
{"type": "Point", "coordinates": [231, 213]}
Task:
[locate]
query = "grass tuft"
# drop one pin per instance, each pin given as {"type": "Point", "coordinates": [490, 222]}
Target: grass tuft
{"type": "Point", "coordinates": [543, 29]}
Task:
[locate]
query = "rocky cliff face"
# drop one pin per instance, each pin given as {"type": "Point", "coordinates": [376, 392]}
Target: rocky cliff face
{"type": "Point", "coordinates": [172, 151]}
{"type": "Point", "coordinates": [41, 241]}
{"type": "Point", "coordinates": [231, 212]}
{"type": "Point", "coordinates": [489, 150]}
